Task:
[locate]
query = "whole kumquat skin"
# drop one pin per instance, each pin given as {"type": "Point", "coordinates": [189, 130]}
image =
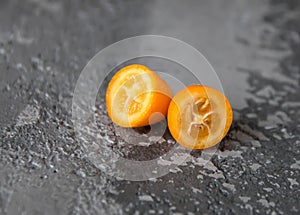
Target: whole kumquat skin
{"type": "Point", "coordinates": [199, 117]}
{"type": "Point", "coordinates": [135, 95]}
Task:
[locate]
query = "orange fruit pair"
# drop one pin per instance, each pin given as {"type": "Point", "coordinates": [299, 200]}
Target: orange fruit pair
{"type": "Point", "coordinates": [198, 116]}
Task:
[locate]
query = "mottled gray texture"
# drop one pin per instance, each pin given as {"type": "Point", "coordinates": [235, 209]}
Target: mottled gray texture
{"type": "Point", "coordinates": [254, 47]}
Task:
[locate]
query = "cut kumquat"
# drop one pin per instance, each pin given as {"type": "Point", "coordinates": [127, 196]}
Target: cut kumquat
{"type": "Point", "coordinates": [135, 94]}
{"type": "Point", "coordinates": [199, 117]}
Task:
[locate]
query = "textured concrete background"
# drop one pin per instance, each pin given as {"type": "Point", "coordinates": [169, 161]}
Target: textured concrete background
{"type": "Point", "coordinates": [254, 47]}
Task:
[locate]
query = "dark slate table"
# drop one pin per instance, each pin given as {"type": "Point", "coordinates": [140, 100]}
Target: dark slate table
{"type": "Point", "coordinates": [254, 47]}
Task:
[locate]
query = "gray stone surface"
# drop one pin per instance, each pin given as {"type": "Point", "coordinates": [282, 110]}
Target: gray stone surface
{"type": "Point", "coordinates": [254, 47]}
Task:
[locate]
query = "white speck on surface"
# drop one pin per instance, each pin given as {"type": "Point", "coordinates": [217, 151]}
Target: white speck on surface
{"type": "Point", "coordinates": [181, 158]}
{"type": "Point", "coordinates": [38, 64]}
{"type": "Point", "coordinates": [217, 175]}
{"type": "Point", "coordinates": [196, 202]}
{"type": "Point", "coordinates": [277, 136]}
{"type": "Point", "coordinates": [146, 198]}
{"type": "Point", "coordinates": [269, 127]}
{"type": "Point", "coordinates": [160, 211]}
{"type": "Point", "coordinates": [293, 182]}
{"type": "Point", "coordinates": [144, 144]}
{"type": "Point", "coordinates": [244, 199]}
{"type": "Point", "coordinates": [207, 164]}
{"type": "Point", "coordinates": [296, 165]}
{"type": "Point", "coordinates": [81, 173]}
{"type": "Point", "coordinates": [294, 209]}
{"type": "Point", "coordinates": [234, 154]}
{"type": "Point", "coordinates": [170, 141]}
{"type": "Point", "coordinates": [286, 134]}
{"type": "Point", "coordinates": [266, 92]}
{"type": "Point", "coordinates": [230, 187]}
{"type": "Point", "coordinates": [253, 132]}
{"type": "Point", "coordinates": [278, 118]}
{"type": "Point", "coordinates": [36, 165]}
{"type": "Point", "coordinates": [283, 116]}
{"type": "Point", "coordinates": [247, 206]}
{"type": "Point", "coordinates": [164, 162]}
{"type": "Point", "coordinates": [268, 189]}
{"type": "Point", "coordinates": [196, 190]}
{"type": "Point", "coordinates": [255, 166]}
{"type": "Point", "coordinates": [199, 176]}
{"type": "Point", "coordinates": [251, 115]}
{"type": "Point", "coordinates": [173, 208]}
{"type": "Point", "coordinates": [2, 51]}
{"type": "Point", "coordinates": [153, 179]}
{"type": "Point", "coordinates": [291, 105]}
{"type": "Point", "coordinates": [23, 40]}
{"type": "Point", "coordinates": [255, 143]}
{"type": "Point", "coordinates": [161, 140]}
{"type": "Point", "coordinates": [244, 148]}
{"type": "Point", "coordinates": [28, 116]}
{"type": "Point", "coordinates": [155, 138]}
{"type": "Point", "coordinates": [175, 170]}
{"type": "Point", "coordinates": [265, 203]}
{"type": "Point", "coordinates": [154, 171]}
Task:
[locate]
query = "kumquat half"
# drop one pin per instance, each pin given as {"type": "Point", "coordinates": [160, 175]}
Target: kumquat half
{"type": "Point", "coordinates": [199, 117]}
{"type": "Point", "coordinates": [135, 94]}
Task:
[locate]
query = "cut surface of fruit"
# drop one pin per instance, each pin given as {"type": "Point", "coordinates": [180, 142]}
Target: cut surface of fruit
{"type": "Point", "coordinates": [199, 117]}
{"type": "Point", "coordinates": [135, 94]}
